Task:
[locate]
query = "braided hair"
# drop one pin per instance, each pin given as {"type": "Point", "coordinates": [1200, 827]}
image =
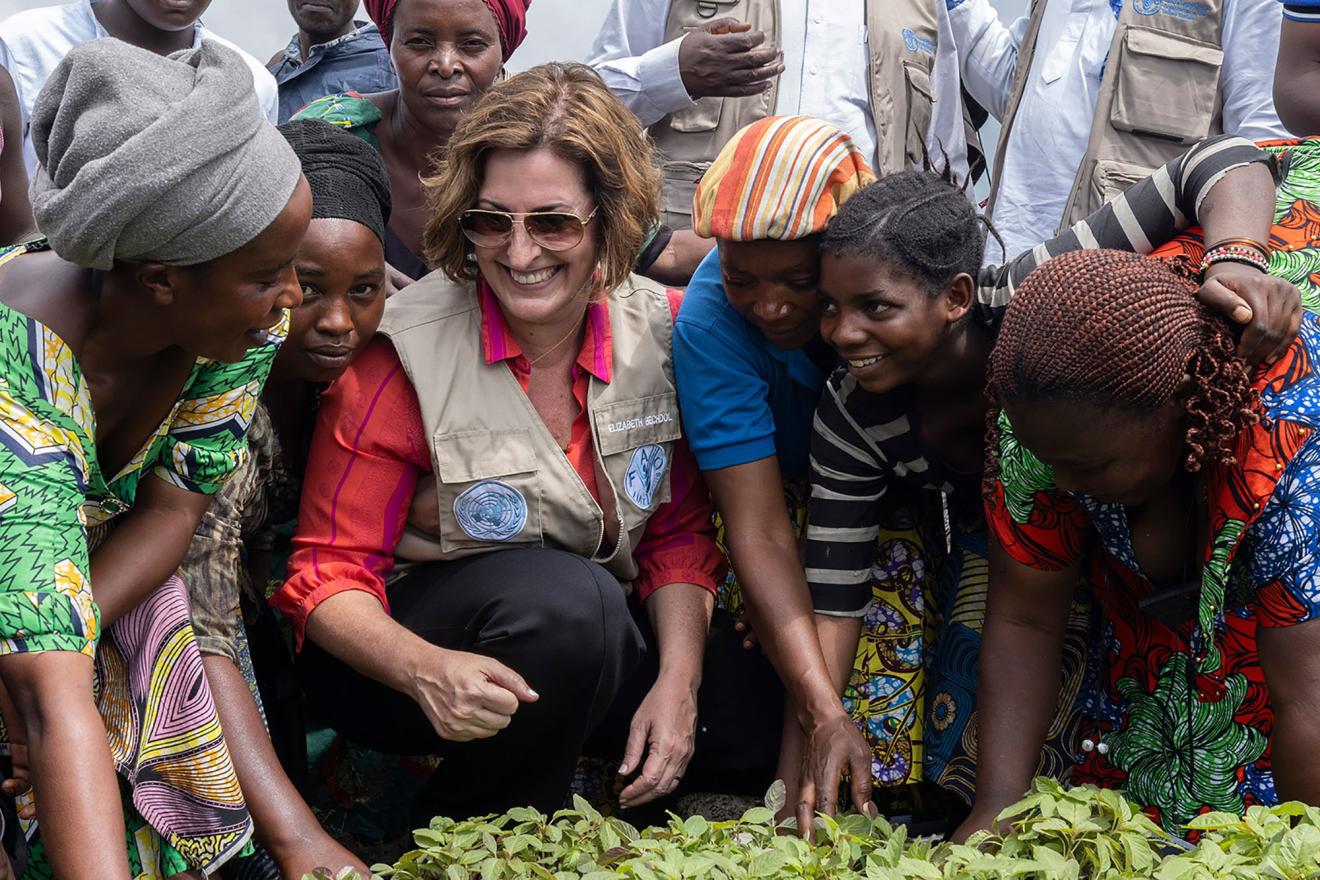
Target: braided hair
{"type": "Point", "coordinates": [917, 223]}
{"type": "Point", "coordinates": [1118, 330]}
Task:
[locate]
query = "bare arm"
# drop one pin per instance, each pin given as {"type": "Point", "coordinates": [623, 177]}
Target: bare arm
{"type": "Point", "coordinates": [284, 823]}
{"type": "Point", "coordinates": [146, 546]}
{"type": "Point", "coordinates": [1290, 659]}
{"type": "Point", "coordinates": [1297, 77]}
{"type": "Point", "coordinates": [769, 568]}
{"type": "Point", "coordinates": [664, 725]}
{"type": "Point", "coordinates": [1017, 686]}
{"type": "Point", "coordinates": [679, 259]}
{"type": "Point", "coordinates": [16, 223]}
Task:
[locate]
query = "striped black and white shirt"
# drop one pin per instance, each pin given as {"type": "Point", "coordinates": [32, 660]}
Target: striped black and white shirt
{"type": "Point", "coordinates": [864, 446]}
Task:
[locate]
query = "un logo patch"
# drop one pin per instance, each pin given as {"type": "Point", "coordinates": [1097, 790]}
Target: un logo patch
{"type": "Point", "coordinates": [491, 511]}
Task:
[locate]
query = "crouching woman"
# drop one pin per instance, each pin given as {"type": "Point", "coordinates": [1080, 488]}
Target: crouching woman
{"type": "Point", "coordinates": [1127, 417]}
{"type": "Point", "coordinates": [502, 466]}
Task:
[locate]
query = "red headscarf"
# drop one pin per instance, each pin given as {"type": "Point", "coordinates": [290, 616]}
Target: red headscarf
{"type": "Point", "coordinates": [510, 17]}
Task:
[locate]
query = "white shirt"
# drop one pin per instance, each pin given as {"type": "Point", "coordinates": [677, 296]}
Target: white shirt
{"type": "Point", "coordinates": [38, 40]}
{"type": "Point", "coordinates": [1053, 124]}
{"type": "Point", "coordinates": [825, 69]}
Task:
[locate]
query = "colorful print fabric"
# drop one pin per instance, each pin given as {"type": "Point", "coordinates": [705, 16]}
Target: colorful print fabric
{"type": "Point", "coordinates": [57, 506]}
{"type": "Point", "coordinates": [1185, 710]}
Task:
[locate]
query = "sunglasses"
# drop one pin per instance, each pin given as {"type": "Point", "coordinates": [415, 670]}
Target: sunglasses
{"type": "Point", "coordinates": [552, 230]}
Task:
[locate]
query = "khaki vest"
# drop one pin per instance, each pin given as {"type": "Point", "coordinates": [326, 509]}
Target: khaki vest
{"type": "Point", "coordinates": [499, 478]}
{"type": "Point", "coordinates": [1158, 96]}
{"type": "Point", "coordinates": [901, 39]}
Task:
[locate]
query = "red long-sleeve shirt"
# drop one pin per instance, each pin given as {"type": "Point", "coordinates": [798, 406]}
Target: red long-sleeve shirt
{"type": "Point", "coordinates": [370, 449]}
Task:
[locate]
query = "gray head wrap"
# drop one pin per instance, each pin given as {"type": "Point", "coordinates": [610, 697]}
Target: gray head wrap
{"type": "Point", "coordinates": [152, 158]}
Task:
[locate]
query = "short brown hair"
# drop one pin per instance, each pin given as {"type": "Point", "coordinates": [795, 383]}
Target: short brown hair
{"type": "Point", "coordinates": [568, 110]}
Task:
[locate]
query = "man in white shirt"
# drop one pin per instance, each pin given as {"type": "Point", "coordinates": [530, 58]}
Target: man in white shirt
{"type": "Point", "coordinates": [822, 64]}
{"type": "Point", "coordinates": [38, 40]}
{"type": "Point", "coordinates": [1048, 135]}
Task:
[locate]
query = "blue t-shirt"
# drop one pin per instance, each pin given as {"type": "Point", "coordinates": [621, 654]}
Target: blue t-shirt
{"type": "Point", "coordinates": [742, 398]}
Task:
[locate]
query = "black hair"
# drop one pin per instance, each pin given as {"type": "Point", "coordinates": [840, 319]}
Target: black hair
{"type": "Point", "coordinates": [917, 222]}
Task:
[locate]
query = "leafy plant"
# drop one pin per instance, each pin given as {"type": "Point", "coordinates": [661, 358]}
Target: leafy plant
{"type": "Point", "coordinates": [1057, 833]}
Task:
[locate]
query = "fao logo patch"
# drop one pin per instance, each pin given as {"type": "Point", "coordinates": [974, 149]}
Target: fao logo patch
{"type": "Point", "coordinates": [644, 474]}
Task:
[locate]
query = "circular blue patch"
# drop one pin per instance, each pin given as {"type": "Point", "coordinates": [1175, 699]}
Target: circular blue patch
{"type": "Point", "coordinates": [491, 511]}
{"type": "Point", "coordinates": [644, 475]}
{"type": "Point", "coordinates": [1147, 7]}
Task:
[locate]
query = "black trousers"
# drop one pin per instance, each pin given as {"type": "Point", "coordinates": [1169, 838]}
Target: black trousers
{"type": "Point", "coordinates": [562, 623]}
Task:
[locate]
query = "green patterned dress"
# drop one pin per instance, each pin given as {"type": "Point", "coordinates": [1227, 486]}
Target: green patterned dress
{"type": "Point", "coordinates": [56, 507]}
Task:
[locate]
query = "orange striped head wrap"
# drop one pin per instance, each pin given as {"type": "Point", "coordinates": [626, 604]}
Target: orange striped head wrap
{"type": "Point", "coordinates": [780, 178]}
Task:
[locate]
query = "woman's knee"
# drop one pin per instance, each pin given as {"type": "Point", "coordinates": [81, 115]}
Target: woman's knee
{"type": "Point", "coordinates": [577, 607]}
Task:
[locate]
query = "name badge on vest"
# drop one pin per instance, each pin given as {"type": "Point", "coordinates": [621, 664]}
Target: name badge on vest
{"type": "Point", "coordinates": [645, 473]}
{"type": "Point", "coordinates": [491, 510]}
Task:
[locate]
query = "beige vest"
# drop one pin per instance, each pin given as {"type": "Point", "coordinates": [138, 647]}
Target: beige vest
{"type": "Point", "coordinates": [500, 479]}
{"type": "Point", "coordinates": [1158, 96]}
{"type": "Point", "coordinates": [901, 39]}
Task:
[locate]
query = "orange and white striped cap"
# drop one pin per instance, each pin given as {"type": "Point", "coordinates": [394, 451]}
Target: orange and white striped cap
{"type": "Point", "coordinates": [780, 178]}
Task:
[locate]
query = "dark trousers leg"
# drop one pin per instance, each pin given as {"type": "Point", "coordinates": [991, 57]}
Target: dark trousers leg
{"type": "Point", "coordinates": [556, 619]}
{"type": "Point", "coordinates": [740, 713]}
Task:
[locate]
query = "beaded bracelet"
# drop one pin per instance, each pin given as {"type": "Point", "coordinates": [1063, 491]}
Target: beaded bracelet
{"type": "Point", "coordinates": [1244, 242]}
{"type": "Point", "coordinates": [1249, 254]}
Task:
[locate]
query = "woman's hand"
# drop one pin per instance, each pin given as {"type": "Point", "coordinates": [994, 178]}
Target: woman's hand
{"type": "Point", "coordinates": [467, 696]}
{"type": "Point", "coordinates": [1271, 308]}
{"type": "Point", "coordinates": [981, 818]}
{"type": "Point", "coordinates": [834, 747]}
{"type": "Point", "coordinates": [746, 631]}
{"type": "Point", "coordinates": [663, 727]}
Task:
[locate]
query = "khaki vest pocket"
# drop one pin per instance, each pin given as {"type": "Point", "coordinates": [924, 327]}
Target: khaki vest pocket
{"type": "Point", "coordinates": [921, 99]}
{"type": "Point", "coordinates": [1167, 86]}
{"type": "Point", "coordinates": [704, 115]}
{"type": "Point", "coordinates": [629, 424]}
{"type": "Point", "coordinates": [677, 188]}
{"type": "Point", "coordinates": [1112, 177]}
{"type": "Point", "coordinates": [635, 439]}
{"type": "Point", "coordinates": [488, 489]}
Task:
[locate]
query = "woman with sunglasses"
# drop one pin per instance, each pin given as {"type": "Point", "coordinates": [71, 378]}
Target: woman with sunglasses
{"type": "Point", "coordinates": [520, 400]}
{"type": "Point", "coordinates": [447, 53]}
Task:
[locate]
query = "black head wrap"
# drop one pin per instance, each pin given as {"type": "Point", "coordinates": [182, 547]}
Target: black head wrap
{"type": "Point", "coordinates": [346, 174]}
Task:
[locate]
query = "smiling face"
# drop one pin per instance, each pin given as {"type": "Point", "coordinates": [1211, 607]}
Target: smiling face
{"type": "Point", "coordinates": [1115, 456]}
{"type": "Point", "coordinates": [322, 18]}
{"type": "Point", "coordinates": [890, 330]}
{"type": "Point", "coordinates": [169, 15]}
{"type": "Point", "coordinates": [772, 284]}
{"type": "Point", "coordinates": [341, 267]}
{"type": "Point", "coordinates": [446, 53]}
{"type": "Point", "coordinates": [535, 285]}
{"type": "Point", "coordinates": [221, 309]}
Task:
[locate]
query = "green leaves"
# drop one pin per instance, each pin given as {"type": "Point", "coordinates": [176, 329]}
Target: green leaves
{"type": "Point", "coordinates": [1057, 833]}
